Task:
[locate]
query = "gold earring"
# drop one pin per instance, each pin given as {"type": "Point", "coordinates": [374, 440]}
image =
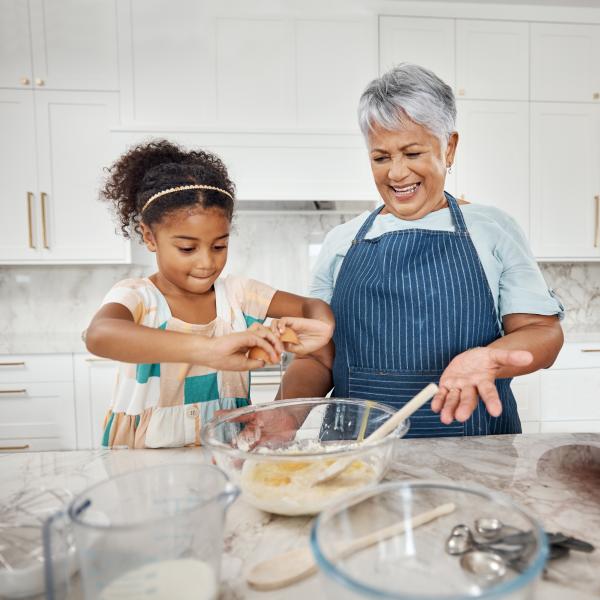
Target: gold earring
{"type": "Point", "coordinates": [450, 169]}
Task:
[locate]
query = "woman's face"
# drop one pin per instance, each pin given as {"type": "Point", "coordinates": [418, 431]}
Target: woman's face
{"type": "Point", "coordinates": [409, 167]}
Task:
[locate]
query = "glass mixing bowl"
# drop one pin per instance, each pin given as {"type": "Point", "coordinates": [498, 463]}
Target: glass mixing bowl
{"type": "Point", "coordinates": [415, 564]}
{"type": "Point", "coordinates": [275, 451]}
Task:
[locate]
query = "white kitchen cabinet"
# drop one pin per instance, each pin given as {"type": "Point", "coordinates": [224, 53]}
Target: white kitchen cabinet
{"type": "Point", "coordinates": [52, 174]}
{"type": "Point", "coordinates": [37, 408]}
{"type": "Point", "coordinates": [492, 159]}
{"type": "Point", "coordinates": [66, 45]}
{"type": "Point", "coordinates": [492, 60]}
{"type": "Point", "coordinates": [565, 180]}
{"type": "Point", "coordinates": [15, 54]}
{"type": "Point", "coordinates": [526, 389]}
{"type": "Point", "coordinates": [425, 41]}
{"type": "Point", "coordinates": [335, 61]}
{"type": "Point", "coordinates": [564, 62]}
{"type": "Point", "coordinates": [202, 65]}
{"type": "Point", "coordinates": [95, 379]}
{"type": "Point", "coordinates": [19, 214]}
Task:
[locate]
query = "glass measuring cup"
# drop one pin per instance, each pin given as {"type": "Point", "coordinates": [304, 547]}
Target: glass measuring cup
{"type": "Point", "coordinates": [140, 534]}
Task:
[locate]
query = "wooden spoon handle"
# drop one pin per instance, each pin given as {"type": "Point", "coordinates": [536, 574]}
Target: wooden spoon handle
{"type": "Point", "coordinates": [285, 569]}
{"type": "Point", "coordinates": [408, 409]}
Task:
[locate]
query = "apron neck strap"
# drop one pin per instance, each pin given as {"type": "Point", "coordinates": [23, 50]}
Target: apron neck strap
{"type": "Point", "coordinates": [360, 236]}
{"type": "Point", "coordinates": [457, 216]}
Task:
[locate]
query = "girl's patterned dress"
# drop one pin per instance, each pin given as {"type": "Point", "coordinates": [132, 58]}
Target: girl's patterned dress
{"type": "Point", "coordinates": [164, 405]}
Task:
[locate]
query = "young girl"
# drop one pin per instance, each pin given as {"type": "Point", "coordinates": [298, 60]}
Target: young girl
{"type": "Point", "coordinates": [170, 382]}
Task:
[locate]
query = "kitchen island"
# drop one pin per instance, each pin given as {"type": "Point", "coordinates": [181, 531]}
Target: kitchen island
{"type": "Point", "coordinates": [555, 476]}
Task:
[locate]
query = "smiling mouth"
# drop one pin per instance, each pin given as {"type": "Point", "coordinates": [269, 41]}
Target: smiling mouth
{"type": "Point", "coordinates": [406, 190]}
{"type": "Point", "coordinates": [202, 276]}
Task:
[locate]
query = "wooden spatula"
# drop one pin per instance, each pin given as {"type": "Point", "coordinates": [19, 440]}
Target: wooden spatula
{"type": "Point", "coordinates": [318, 474]}
{"type": "Point", "coordinates": [297, 564]}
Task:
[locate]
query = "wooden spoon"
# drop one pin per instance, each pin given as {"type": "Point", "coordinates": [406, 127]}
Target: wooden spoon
{"type": "Point", "coordinates": [297, 564]}
{"type": "Point", "coordinates": [316, 474]}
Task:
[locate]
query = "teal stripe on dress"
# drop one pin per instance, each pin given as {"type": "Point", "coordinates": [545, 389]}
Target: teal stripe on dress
{"type": "Point", "coordinates": [250, 320]}
{"type": "Point", "coordinates": [241, 402]}
{"type": "Point", "coordinates": [144, 372]}
{"type": "Point", "coordinates": [106, 436]}
{"type": "Point", "coordinates": [200, 388]}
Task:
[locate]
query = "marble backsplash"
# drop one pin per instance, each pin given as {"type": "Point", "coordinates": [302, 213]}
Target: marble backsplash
{"type": "Point", "coordinates": [277, 249]}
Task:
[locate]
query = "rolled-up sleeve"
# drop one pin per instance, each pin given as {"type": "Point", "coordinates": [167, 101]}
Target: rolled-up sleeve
{"type": "Point", "coordinates": [522, 288]}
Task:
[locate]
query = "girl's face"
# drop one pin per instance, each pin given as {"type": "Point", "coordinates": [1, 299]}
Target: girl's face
{"type": "Point", "coordinates": [409, 168]}
{"type": "Point", "coordinates": [191, 248]}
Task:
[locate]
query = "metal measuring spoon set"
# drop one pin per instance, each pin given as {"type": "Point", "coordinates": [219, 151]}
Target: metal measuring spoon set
{"type": "Point", "coordinates": [494, 547]}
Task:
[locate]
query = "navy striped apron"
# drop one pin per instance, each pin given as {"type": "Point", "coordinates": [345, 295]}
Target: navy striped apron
{"type": "Point", "coordinates": [405, 304]}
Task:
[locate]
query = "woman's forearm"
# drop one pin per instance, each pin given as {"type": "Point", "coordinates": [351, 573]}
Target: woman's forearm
{"type": "Point", "coordinates": [317, 309]}
{"type": "Point", "coordinates": [306, 377]}
{"type": "Point", "coordinates": [543, 339]}
{"type": "Point", "coordinates": [127, 341]}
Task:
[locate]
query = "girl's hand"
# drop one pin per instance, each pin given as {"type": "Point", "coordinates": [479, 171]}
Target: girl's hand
{"type": "Point", "coordinates": [312, 333]}
{"type": "Point", "coordinates": [471, 374]}
{"type": "Point", "coordinates": [229, 352]}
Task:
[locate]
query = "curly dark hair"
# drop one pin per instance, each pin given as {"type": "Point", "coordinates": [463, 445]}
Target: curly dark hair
{"type": "Point", "coordinates": [154, 166]}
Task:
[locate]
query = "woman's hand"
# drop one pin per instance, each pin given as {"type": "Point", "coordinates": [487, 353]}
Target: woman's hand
{"type": "Point", "coordinates": [312, 334]}
{"type": "Point", "coordinates": [471, 374]}
{"type": "Point", "coordinates": [229, 352]}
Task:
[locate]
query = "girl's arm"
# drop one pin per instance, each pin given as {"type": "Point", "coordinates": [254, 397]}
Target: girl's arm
{"type": "Point", "coordinates": [114, 334]}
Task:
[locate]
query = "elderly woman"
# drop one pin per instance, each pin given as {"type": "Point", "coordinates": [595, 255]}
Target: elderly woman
{"type": "Point", "coordinates": [427, 287]}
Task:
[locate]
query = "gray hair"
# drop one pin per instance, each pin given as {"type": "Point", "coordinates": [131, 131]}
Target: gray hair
{"type": "Point", "coordinates": [411, 91]}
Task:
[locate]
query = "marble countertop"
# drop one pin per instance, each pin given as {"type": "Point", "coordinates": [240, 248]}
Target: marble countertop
{"type": "Point", "coordinates": [555, 476]}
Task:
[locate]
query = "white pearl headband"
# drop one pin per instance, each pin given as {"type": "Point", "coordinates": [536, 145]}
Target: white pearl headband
{"type": "Point", "coordinates": [181, 188]}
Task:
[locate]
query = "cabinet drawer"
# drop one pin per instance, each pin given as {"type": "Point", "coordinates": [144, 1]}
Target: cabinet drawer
{"type": "Point", "coordinates": [9, 445]}
{"type": "Point", "coordinates": [36, 411]}
{"type": "Point", "coordinates": [35, 367]}
{"type": "Point", "coordinates": [578, 356]}
{"type": "Point", "coordinates": [570, 395]}
{"type": "Point", "coordinates": [526, 389]}
{"type": "Point", "coordinates": [570, 427]}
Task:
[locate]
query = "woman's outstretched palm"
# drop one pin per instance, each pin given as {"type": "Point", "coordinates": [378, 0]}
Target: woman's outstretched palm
{"type": "Point", "coordinates": [471, 375]}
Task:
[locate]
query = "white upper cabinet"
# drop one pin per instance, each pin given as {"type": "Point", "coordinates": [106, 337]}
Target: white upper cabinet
{"type": "Point", "coordinates": [255, 66]}
{"type": "Point", "coordinates": [15, 55]}
{"type": "Point", "coordinates": [73, 148]}
{"type": "Point", "coordinates": [565, 62]}
{"type": "Point", "coordinates": [335, 62]}
{"type": "Point", "coordinates": [424, 41]}
{"type": "Point", "coordinates": [565, 199]}
{"type": "Point", "coordinates": [492, 60]}
{"type": "Point", "coordinates": [73, 44]}
{"type": "Point", "coordinates": [492, 159]}
{"type": "Point", "coordinates": [170, 46]}
{"type": "Point", "coordinates": [19, 237]}
{"type": "Point", "coordinates": [189, 64]}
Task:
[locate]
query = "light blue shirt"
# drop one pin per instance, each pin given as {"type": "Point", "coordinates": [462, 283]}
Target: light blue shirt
{"type": "Point", "coordinates": [512, 273]}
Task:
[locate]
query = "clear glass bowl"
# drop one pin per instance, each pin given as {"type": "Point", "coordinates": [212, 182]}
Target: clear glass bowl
{"type": "Point", "coordinates": [414, 564]}
{"type": "Point", "coordinates": [274, 451]}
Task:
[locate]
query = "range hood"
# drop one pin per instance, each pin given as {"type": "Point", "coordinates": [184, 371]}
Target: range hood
{"type": "Point", "coordinates": [303, 207]}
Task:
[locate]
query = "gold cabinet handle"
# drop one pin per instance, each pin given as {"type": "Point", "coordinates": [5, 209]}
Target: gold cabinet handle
{"type": "Point", "coordinates": [264, 383]}
{"type": "Point", "coordinates": [13, 392]}
{"type": "Point", "coordinates": [20, 363]}
{"type": "Point", "coordinates": [91, 360]}
{"type": "Point", "coordinates": [597, 229]}
{"type": "Point", "coordinates": [43, 197]}
{"type": "Point", "coordinates": [25, 81]}
{"type": "Point", "coordinates": [596, 95]}
{"type": "Point", "coordinates": [30, 218]}
{"type": "Point", "coordinates": [39, 82]}
{"type": "Point", "coordinates": [23, 447]}
{"type": "Point", "coordinates": [590, 350]}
